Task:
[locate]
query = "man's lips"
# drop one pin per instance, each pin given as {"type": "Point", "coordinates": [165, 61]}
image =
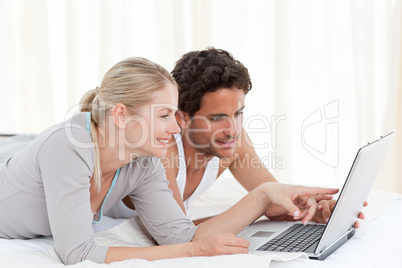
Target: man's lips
{"type": "Point", "coordinates": [226, 144]}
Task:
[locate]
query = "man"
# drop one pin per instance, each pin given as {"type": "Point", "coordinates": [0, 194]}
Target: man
{"type": "Point", "coordinates": [212, 88]}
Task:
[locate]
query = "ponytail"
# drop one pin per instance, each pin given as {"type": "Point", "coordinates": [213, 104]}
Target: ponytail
{"type": "Point", "coordinates": [87, 105]}
{"type": "Point", "coordinates": [87, 100]}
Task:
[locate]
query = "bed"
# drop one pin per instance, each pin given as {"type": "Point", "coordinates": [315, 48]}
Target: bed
{"type": "Point", "coordinates": [377, 243]}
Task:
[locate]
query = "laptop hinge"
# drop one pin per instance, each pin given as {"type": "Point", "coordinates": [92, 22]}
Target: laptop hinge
{"type": "Point", "coordinates": [349, 234]}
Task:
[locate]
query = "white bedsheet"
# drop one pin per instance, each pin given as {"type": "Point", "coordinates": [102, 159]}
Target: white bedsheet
{"type": "Point", "coordinates": [376, 244]}
{"type": "Point", "coordinates": [127, 233]}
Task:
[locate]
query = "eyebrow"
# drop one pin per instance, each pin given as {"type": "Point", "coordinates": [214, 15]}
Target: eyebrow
{"type": "Point", "coordinates": [167, 109]}
{"type": "Point", "coordinates": [218, 114]}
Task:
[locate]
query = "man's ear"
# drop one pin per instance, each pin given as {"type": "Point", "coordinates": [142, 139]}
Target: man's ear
{"type": "Point", "coordinates": [182, 118]}
{"type": "Point", "coordinates": [119, 114]}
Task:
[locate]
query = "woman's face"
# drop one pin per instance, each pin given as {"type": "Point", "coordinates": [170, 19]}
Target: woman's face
{"type": "Point", "coordinates": [148, 131]}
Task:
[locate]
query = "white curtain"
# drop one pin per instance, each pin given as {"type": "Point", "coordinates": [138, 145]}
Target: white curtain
{"type": "Point", "coordinates": [326, 74]}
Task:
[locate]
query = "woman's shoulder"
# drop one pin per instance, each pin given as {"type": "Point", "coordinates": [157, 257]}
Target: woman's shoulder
{"type": "Point", "coordinates": [67, 143]}
{"type": "Point", "coordinates": [72, 133]}
{"type": "Point", "coordinates": [73, 130]}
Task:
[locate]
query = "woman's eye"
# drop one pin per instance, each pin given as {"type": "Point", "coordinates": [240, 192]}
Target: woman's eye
{"type": "Point", "coordinates": [166, 116]}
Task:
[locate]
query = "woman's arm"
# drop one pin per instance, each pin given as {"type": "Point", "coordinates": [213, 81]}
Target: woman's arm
{"type": "Point", "coordinates": [258, 201]}
{"type": "Point", "coordinates": [217, 235]}
{"type": "Point", "coordinates": [65, 169]}
{"type": "Point", "coordinates": [168, 225]}
{"type": "Point", "coordinates": [217, 244]}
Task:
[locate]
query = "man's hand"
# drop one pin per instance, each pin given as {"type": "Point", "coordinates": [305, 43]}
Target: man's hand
{"type": "Point", "coordinates": [324, 211]}
{"type": "Point", "coordinates": [325, 207]}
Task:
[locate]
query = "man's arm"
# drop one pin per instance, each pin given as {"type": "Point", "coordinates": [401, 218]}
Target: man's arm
{"type": "Point", "coordinates": [249, 171]}
{"type": "Point", "coordinates": [247, 167]}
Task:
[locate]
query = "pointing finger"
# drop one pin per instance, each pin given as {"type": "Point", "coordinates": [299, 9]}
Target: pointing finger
{"type": "Point", "coordinates": [312, 204]}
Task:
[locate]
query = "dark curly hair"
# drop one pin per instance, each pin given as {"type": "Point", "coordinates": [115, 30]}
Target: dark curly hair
{"type": "Point", "coordinates": [199, 72]}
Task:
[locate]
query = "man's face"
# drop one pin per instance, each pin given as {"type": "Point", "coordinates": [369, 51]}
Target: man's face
{"type": "Point", "coordinates": [216, 127]}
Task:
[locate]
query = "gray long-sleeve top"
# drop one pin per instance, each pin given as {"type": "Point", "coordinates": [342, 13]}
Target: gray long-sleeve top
{"type": "Point", "coordinates": [44, 190]}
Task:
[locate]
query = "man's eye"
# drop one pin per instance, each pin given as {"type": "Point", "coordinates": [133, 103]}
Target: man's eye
{"type": "Point", "coordinates": [216, 118]}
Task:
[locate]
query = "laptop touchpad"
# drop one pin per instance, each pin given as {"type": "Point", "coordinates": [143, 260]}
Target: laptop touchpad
{"type": "Point", "coordinates": [262, 234]}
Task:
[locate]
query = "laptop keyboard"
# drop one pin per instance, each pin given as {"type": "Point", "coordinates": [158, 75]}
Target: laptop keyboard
{"type": "Point", "coordinates": [296, 238]}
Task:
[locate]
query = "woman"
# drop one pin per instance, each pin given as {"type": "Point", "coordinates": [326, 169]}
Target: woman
{"type": "Point", "coordinates": [73, 172]}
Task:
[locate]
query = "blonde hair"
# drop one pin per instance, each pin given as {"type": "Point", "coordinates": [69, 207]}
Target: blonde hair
{"type": "Point", "coordinates": [129, 82]}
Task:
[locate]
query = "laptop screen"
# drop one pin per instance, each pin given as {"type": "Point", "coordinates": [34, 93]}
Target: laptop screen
{"type": "Point", "coordinates": [355, 191]}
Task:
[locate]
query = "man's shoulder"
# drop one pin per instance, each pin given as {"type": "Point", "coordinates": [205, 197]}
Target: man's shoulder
{"type": "Point", "coordinates": [171, 160]}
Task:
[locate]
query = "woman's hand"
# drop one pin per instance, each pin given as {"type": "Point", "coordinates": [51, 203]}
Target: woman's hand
{"type": "Point", "coordinates": [220, 244]}
{"type": "Point", "coordinates": [278, 213]}
{"type": "Point", "coordinates": [298, 201]}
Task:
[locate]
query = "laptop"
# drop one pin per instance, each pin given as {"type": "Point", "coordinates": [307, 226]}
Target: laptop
{"type": "Point", "coordinates": [318, 241]}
